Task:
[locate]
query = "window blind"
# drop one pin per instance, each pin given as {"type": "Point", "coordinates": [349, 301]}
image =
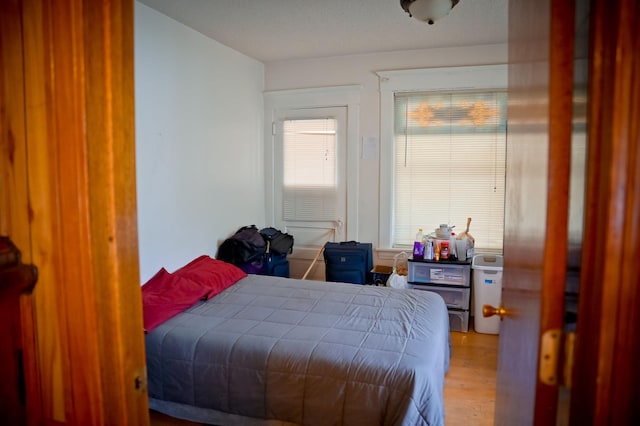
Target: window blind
{"type": "Point", "coordinates": [310, 169]}
{"type": "Point", "coordinates": [450, 164]}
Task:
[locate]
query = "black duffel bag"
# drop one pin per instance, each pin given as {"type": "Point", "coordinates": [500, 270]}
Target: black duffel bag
{"type": "Point", "coordinates": [246, 245]}
{"type": "Point", "coordinates": [278, 242]}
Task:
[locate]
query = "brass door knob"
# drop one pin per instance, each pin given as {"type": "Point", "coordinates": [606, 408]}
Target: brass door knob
{"type": "Point", "coordinates": [489, 311]}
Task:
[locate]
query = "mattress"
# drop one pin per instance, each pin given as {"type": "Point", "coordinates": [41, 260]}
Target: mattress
{"type": "Point", "coordinates": [277, 351]}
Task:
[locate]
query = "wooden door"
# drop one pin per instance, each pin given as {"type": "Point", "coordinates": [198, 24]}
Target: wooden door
{"type": "Point", "coordinates": [606, 372]}
{"type": "Point", "coordinates": [537, 206]}
{"type": "Point", "coordinates": [536, 202]}
{"type": "Point", "coordinates": [67, 199]}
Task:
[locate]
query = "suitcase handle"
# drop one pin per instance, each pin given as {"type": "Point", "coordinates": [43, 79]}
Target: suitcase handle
{"type": "Point", "coordinates": [349, 243]}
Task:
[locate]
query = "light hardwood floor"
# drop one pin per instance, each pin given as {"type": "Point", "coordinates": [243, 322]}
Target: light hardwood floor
{"type": "Point", "coordinates": [470, 384]}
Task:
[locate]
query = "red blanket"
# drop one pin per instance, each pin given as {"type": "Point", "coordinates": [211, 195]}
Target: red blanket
{"type": "Point", "coordinates": [165, 295]}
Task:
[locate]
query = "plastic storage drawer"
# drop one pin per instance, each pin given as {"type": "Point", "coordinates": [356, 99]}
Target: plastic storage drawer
{"type": "Point", "coordinates": [454, 297]}
{"type": "Point", "coordinates": [459, 321]}
{"type": "Point", "coordinates": [438, 273]}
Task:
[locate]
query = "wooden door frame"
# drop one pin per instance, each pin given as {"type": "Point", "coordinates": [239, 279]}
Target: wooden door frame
{"type": "Point", "coordinates": [68, 190]}
{"type": "Point", "coordinates": [606, 369]}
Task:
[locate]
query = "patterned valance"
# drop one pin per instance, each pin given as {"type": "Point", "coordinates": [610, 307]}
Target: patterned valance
{"type": "Point", "coordinates": [460, 112]}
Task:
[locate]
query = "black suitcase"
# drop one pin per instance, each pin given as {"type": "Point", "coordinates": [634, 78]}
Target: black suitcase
{"type": "Point", "coordinates": [348, 262]}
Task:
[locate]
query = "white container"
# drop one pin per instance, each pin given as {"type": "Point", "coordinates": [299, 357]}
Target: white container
{"type": "Point", "coordinates": [487, 290]}
{"type": "Point", "coordinates": [461, 249]}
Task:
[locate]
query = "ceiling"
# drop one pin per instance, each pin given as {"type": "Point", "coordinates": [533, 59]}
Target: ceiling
{"type": "Point", "coordinates": [277, 30]}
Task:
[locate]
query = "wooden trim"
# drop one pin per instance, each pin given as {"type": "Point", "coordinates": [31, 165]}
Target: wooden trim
{"type": "Point", "coordinates": [609, 311]}
{"type": "Point", "coordinates": [47, 243]}
{"type": "Point", "coordinates": [30, 361]}
{"type": "Point", "coordinates": [554, 267]}
{"type": "Point", "coordinates": [76, 289]}
{"type": "Point", "coordinates": [111, 158]}
{"type": "Point", "coordinates": [14, 201]}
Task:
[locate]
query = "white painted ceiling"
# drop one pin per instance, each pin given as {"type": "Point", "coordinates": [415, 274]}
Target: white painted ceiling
{"type": "Point", "coordinates": [276, 30]}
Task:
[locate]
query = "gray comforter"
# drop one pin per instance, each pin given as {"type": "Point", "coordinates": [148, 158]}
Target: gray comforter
{"type": "Point", "coordinates": [303, 352]}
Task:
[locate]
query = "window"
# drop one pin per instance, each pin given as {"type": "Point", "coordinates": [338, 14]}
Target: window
{"type": "Point", "coordinates": [310, 173]}
{"type": "Point", "coordinates": [310, 178]}
{"type": "Point", "coordinates": [443, 143]}
{"type": "Point", "coordinates": [449, 164]}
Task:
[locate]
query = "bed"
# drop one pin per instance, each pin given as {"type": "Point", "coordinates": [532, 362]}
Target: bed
{"type": "Point", "coordinates": [268, 350]}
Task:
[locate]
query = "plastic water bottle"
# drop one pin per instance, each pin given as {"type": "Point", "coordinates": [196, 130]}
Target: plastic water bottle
{"type": "Point", "coordinates": [429, 252]}
{"type": "Point", "coordinates": [418, 245]}
{"type": "Point", "coordinates": [452, 246]}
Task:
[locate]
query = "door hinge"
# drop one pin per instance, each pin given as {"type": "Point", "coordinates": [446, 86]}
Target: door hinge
{"type": "Point", "coordinates": [556, 357]}
{"type": "Point", "coordinates": [140, 380]}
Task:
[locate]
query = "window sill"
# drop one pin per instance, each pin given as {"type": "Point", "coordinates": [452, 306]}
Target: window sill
{"type": "Point", "coordinates": [390, 253]}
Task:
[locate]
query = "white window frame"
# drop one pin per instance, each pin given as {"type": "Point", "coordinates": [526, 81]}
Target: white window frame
{"type": "Point", "coordinates": [420, 80]}
{"type": "Point", "coordinates": [338, 96]}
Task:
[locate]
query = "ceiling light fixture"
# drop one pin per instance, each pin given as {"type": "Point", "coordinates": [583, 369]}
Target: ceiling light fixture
{"type": "Point", "coordinates": [428, 10]}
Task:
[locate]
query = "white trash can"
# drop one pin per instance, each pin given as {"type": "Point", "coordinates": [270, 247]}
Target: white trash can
{"type": "Point", "coordinates": [487, 290]}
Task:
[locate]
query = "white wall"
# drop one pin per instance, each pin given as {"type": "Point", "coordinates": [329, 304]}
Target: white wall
{"type": "Point", "coordinates": [361, 70]}
{"type": "Point", "coordinates": [199, 134]}
{"type": "Point", "coordinates": [199, 156]}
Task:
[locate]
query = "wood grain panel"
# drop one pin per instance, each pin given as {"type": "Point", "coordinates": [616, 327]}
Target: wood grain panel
{"type": "Point", "coordinates": [607, 369]}
{"type": "Point", "coordinates": [112, 176]}
{"type": "Point", "coordinates": [47, 240]}
{"type": "Point", "coordinates": [554, 267]}
{"type": "Point", "coordinates": [525, 209]}
{"type": "Point", "coordinates": [75, 283]}
{"type": "Point", "coordinates": [541, 46]}
{"type": "Point", "coordinates": [14, 203]}
{"type": "Point", "coordinates": [77, 163]}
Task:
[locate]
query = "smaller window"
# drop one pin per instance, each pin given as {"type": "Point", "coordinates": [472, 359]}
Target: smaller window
{"type": "Point", "coordinates": [310, 169]}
